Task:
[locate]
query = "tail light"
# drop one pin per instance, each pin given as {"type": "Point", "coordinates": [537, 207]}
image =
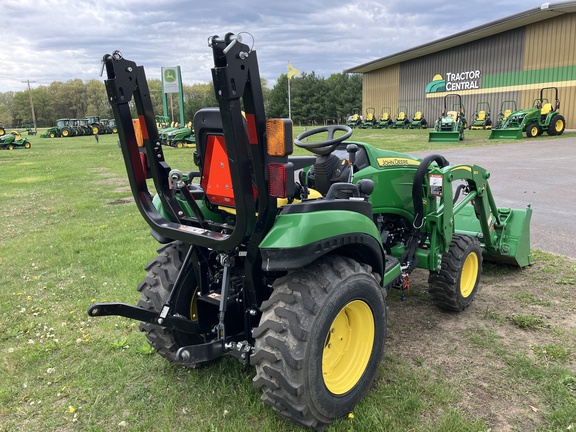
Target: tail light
{"type": "Point", "coordinates": [281, 180]}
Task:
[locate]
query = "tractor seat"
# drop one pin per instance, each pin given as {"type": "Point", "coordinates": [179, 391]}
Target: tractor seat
{"type": "Point", "coordinates": [418, 116]}
{"type": "Point", "coordinates": [507, 113]}
{"type": "Point", "coordinates": [481, 116]}
{"type": "Point", "coordinates": [385, 116]}
{"type": "Point", "coordinates": [453, 114]}
{"type": "Point", "coordinates": [402, 116]}
{"type": "Point", "coordinates": [546, 108]}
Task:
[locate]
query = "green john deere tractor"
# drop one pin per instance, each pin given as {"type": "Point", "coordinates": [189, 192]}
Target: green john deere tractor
{"type": "Point", "coordinates": [63, 128]}
{"type": "Point", "coordinates": [13, 140]}
{"type": "Point", "coordinates": [449, 127]}
{"type": "Point", "coordinates": [542, 117]}
{"type": "Point", "coordinates": [284, 262]}
{"type": "Point", "coordinates": [507, 107]}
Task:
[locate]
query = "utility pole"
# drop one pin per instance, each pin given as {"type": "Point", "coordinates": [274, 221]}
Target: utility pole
{"type": "Point", "coordinates": [31, 104]}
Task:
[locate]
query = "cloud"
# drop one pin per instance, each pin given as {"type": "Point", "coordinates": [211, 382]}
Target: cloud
{"type": "Point", "coordinates": [59, 40]}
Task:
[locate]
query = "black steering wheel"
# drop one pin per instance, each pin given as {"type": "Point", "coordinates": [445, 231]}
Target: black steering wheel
{"type": "Point", "coordinates": [323, 147]}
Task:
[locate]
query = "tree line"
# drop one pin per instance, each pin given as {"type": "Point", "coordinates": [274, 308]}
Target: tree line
{"type": "Point", "coordinates": [314, 100]}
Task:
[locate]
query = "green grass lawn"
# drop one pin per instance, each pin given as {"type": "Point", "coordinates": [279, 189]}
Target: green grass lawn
{"type": "Point", "coordinates": [71, 235]}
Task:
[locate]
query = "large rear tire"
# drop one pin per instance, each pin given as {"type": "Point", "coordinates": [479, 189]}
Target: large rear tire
{"type": "Point", "coordinates": [320, 341]}
{"type": "Point", "coordinates": [155, 290]}
{"type": "Point", "coordinates": [455, 285]}
{"type": "Point", "coordinates": [557, 125]}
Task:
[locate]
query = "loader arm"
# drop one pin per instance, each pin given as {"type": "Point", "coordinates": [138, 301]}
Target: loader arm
{"type": "Point", "coordinates": [503, 232]}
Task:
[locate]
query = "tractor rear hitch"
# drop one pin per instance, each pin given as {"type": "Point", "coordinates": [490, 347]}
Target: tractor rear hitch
{"type": "Point", "coordinates": [137, 313]}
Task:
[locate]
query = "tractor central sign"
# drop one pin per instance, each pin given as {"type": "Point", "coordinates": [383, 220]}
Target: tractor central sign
{"type": "Point", "coordinates": [467, 80]}
{"type": "Point", "coordinates": [455, 81]}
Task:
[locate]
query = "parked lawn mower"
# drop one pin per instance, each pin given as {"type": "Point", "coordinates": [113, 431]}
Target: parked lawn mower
{"type": "Point", "coordinates": [402, 121]}
{"type": "Point", "coordinates": [370, 120]}
{"type": "Point", "coordinates": [291, 275]}
{"type": "Point", "coordinates": [385, 119]}
{"type": "Point", "coordinates": [14, 140]}
{"type": "Point", "coordinates": [542, 117]}
{"type": "Point", "coordinates": [507, 107]}
{"type": "Point", "coordinates": [482, 118]}
{"type": "Point", "coordinates": [181, 137]}
{"type": "Point", "coordinates": [418, 120]}
{"type": "Point", "coordinates": [451, 124]}
{"type": "Point", "coordinates": [355, 119]}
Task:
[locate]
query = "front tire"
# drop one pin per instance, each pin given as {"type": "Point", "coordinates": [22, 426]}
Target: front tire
{"type": "Point", "coordinates": [455, 285]}
{"type": "Point", "coordinates": [533, 130]}
{"type": "Point", "coordinates": [320, 341]}
{"type": "Point", "coordinates": [155, 290]}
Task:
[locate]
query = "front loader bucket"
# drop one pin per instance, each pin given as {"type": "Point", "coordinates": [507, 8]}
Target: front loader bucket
{"type": "Point", "coordinates": [435, 136]}
{"type": "Point", "coordinates": [510, 244]}
{"type": "Point", "coordinates": [509, 133]}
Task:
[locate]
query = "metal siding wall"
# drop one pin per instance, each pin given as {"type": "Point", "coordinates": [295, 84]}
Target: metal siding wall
{"type": "Point", "coordinates": [552, 43]}
{"type": "Point", "coordinates": [498, 54]}
{"type": "Point", "coordinates": [547, 44]}
{"type": "Point", "coordinates": [381, 89]}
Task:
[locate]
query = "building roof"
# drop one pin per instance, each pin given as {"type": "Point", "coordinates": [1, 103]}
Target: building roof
{"type": "Point", "coordinates": [531, 16]}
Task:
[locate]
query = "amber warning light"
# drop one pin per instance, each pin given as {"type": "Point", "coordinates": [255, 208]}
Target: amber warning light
{"type": "Point", "coordinates": [279, 140]}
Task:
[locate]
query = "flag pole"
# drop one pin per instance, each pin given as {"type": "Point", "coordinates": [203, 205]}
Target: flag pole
{"type": "Point", "coordinates": [289, 107]}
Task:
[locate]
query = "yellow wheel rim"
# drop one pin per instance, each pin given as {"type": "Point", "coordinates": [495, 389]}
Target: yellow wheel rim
{"type": "Point", "coordinates": [348, 347]}
{"type": "Point", "coordinates": [95, 130]}
{"type": "Point", "coordinates": [65, 133]}
{"type": "Point", "coordinates": [559, 125]}
{"type": "Point", "coordinates": [469, 275]}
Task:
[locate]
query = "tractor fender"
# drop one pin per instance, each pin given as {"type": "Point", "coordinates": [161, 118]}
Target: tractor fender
{"type": "Point", "coordinates": [298, 239]}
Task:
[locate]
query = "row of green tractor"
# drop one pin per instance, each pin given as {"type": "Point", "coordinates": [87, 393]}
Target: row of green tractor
{"type": "Point", "coordinates": [543, 116]}
{"type": "Point", "coordinates": [386, 121]}
{"type": "Point", "coordinates": [93, 125]}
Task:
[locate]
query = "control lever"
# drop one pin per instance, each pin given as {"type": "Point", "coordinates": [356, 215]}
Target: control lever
{"type": "Point", "coordinates": [351, 149]}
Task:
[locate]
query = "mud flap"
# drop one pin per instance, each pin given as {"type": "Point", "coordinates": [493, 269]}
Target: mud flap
{"type": "Point", "coordinates": [444, 136]}
{"type": "Point", "coordinates": [510, 133]}
{"type": "Point", "coordinates": [510, 244]}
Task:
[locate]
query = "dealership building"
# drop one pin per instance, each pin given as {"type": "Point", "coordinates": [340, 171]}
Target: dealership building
{"type": "Point", "coordinates": [510, 59]}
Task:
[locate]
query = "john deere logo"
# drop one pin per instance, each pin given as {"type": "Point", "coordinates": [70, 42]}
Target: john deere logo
{"type": "Point", "coordinates": [437, 85]}
{"type": "Point", "coordinates": [169, 75]}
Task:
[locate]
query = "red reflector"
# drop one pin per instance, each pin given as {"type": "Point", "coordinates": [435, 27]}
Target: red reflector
{"type": "Point", "coordinates": [144, 164]}
{"type": "Point", "coordinates": [277, 180]}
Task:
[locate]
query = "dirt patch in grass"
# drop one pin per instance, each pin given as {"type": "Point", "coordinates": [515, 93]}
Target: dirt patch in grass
{"type": "Point", "coordinates": [121, 201]}
{"type": "Point", "coordinates": [516, 316]}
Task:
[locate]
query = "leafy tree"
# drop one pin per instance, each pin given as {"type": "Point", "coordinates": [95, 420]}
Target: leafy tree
{"type": "Point", "coordinates": [344, 92]}
{"type": "Point", "coordinates": [96, 100]}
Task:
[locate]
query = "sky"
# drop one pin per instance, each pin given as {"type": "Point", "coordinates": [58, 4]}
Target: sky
{"type": "Point", "coordinates": [42, 41]}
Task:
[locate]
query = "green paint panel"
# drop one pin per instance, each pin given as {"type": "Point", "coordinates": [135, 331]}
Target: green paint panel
{"type": "Point", "coordinates": [300, 229]}
{"type": "Point", "coordinates": [564, 73]}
